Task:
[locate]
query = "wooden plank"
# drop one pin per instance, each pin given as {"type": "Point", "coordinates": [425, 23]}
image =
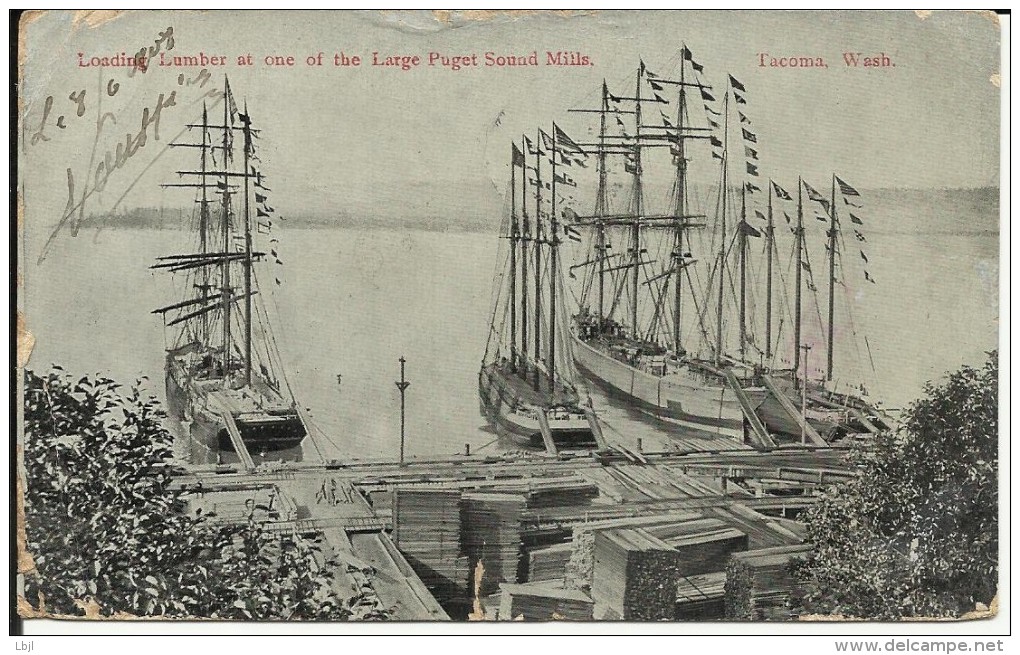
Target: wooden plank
{"type": "Point", "coordinates": [761, 436]}
{"type": "Point", "coordinates": [238, 442]}
{"type": "Point", "coordinates": [596, 428]}
{"type": "Point", "coordinates": [543, 426]}
{"type": "Point", "coordinates": [789, 408]}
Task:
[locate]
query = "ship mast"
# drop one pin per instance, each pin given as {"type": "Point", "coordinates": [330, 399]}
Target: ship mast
{"type": "Point", "coordinates": [225, 291]}
{"type": "Point", "coordinates": [601, 205]}
{"type": "Point", "coordinates": [636, 229]}
{"type": "Point", "coordinates": [538, 254]}
{"type": "Point", "coordinates": [743, 272]}
{"type": "Point", "coordinates": [203, 216]}
{"type": "Point", "coordinates": [832, 279]}
{"type": "Point", "coordinates": [680, 201]}
{"type": "Point", "coordinates": [800, 265]}
{"type": "Point", "coordinates": [553, 247]}
{"type": "Point", "coordinates": [246, 122]}
{"type": "Point", "coordinates": [722, 240]}
{"type": "Point", "coordinates": [769, 243]}
{"type": "Point", "coordinates": [513, 258]}
{"type": "Point", "coordinates": [525, 237]}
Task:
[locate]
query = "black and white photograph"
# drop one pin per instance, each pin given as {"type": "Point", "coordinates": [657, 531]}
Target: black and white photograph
{"type": "Point", "coordinates": [527, 316]}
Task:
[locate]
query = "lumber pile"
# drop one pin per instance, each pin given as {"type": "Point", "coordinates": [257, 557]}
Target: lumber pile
{"type": "Point", "coordinates": [580, 567]}
{"type": "Point", "coordinates": [491, 533]}
{"type": "Point", "coordinates": [426, 529]}
{"type": "Point", "coordinates": [707, 551]}
{"type": "Point", "coordinates": [549, 563]}
{"type": "Point", "coordinates": [561, 493]}
{"type": "Point", "coordinates": [762, 531]}
{"type": "Point", "coordinates": [543, 601]}
{"type": "Point", "coordinates": [701, 597]}
{"type": "Point", "coordinates": [760, 584]}
{"type": "Point", "coordinates": [636, 575]}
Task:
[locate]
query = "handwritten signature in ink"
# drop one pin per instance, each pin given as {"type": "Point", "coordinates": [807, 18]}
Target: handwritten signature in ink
{"type": "Point", "coordinates": [97, 175]}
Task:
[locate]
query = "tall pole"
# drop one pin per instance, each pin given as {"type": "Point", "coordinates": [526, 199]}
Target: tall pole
{"type": "Point", "coordinates": [538, 255]}
{"type": "Point", "coordinates": [769, 242]}
{"type": "Point", "coordinates": [525, 237]}
{"type": "Point", "coordinates": [402, 386]}
{"type": "Point", "coordinates": [247, 252]}
{"type": "Point", "coordinates": [225, 290]}
{"type": "Point", "coordinates": [832, 279]}
{"type": "Point", "coordinates": [799, 276]}
{"type": "Point", "coordinates": [601, 205]}
{"type": "Point", "coordinates": [681, 192]}
{"type": "Point", "coordinates": [722, 239]}
{"type": "Point", "coordinates": [553, 247]}
{"type": "Point", "coordinates": [743, 272]}
{"type": "Point", "coordinates": [204, 216]}
{"type": "Point", "coordinates": [636, 230]}
{"type": "Point", "coordinates": [803, 397]}
{"type": "Point", "coordinates": [513, 259]}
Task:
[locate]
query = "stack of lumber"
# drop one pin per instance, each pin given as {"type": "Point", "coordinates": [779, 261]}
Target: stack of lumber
{"type": "Point", "coordinates": [636, 575]}
{"type": "Point", "coordinates": [426, 529]}
{"type": "Point", "coordinates": [658, 483]}
{"type": "Point", "coordinates": [561, 493]}
{"type": "Point", "coordinates": [760, 584]}
{"type": "Point", "coordinates": [706, 550]}
{"type": "Point", "coordinates": [549, 563]}
{"type": "Point", "coordinates": [701, 597]}
{"type": "Point", "coordinates": [762, 531]}
{"type": "Point", "coordinates": [543, 601]}
{"type": "Point", "coordinates": [581, 566]}
{"type": "Point", "coordinates": [491, 533]}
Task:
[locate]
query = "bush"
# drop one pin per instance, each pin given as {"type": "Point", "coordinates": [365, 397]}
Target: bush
{"type": "Point", "coordinates": [916, 534]}
{"type": "Point", "coordinates": [104, 524]}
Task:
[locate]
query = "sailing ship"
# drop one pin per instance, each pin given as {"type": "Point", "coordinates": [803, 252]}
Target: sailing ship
{"type": "Point", "coordinates": [645, 329]}
{"type": "Point", "coordinates": [524, 384]}
{"type": "Point", "coordinates": [223, 374]}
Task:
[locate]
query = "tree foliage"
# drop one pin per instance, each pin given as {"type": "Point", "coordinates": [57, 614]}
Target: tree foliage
{"type": "Point", "coordinates": [916, 533]}
{"type": "Point", "coordinates": [104, 524]}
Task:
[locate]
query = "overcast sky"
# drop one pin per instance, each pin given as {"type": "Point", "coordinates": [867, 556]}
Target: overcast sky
{"type": "Point", "coordinates": [366, 138]}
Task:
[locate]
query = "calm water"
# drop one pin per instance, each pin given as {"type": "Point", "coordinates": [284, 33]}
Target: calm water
{"type": "Point", "coordinates": [352, 302]}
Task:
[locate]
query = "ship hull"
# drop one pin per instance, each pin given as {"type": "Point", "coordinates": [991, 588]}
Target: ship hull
{"type": "Point", "coordinates": [779, 422]}
{"type": "Point", "coordinates": [517, 421]}
{"type": "Point", "coordinates": [682, 398]}
{"type": "Point", "coordinates": [833, 420]}
{"type": "Point", "coordinates": [277, 435]}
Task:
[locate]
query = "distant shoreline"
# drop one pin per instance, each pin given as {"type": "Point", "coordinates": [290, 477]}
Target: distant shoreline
{"type": "Point", "coordinates": [475, 229]}
{"type": "Point", "coordinates": [984, 199]}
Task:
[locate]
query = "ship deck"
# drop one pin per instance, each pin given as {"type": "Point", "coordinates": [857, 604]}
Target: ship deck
{"type": "Point", "coordinates": [524, 389]}
{"type": "Point", "coordinates": [245, 401]}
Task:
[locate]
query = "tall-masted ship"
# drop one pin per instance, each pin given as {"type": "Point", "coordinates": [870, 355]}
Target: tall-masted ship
{"type": "Point", "coordinates": [224, 380]}
{"type": "Point", "coordinates": [525, 382]}
{"type": "Point", "coordinates": [673, 334]}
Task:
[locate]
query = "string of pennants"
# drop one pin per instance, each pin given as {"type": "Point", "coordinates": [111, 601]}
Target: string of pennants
{"type": "Point", "coordinates": [850, 196]}
{"type": "Point", "coordinates": [631, 163]}
{"type": "Point", "coordinates": [568, 153]}
{"type": "Point", "coordinates": [713, 117]}
{"type": "Point", "coordinates": [559, 149]}
{"type": "Point", "coordinates": [264, 213]}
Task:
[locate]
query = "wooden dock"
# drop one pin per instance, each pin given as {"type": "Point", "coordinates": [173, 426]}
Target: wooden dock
{"type": "Point", "coordinates": [351, 505]}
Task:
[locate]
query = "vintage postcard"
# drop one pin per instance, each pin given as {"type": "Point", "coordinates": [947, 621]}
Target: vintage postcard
{"type": "Point", "coordinates": [508, 316]}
